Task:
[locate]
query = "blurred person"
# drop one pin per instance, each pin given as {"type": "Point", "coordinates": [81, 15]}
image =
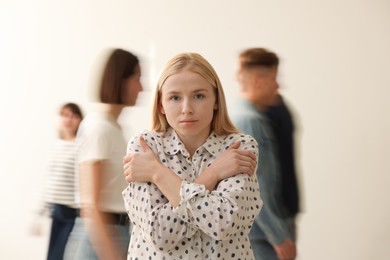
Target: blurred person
{"type": "Point", "coordinates": [282, 123]}
{"type": "Point", "coordinates": [102, 231]}
{"type": "Point", "coordinates": [272, 235]}
{"type": "Point", "coordinates": [58, 196]}
{"type": "Point", "coordinates": [192, 190]}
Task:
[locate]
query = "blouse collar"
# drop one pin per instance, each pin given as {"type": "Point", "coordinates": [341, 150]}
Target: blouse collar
{"type": "Point", "coordinates": [173, 144]}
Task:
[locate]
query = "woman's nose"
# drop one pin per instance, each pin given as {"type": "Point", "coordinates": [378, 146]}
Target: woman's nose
{"type": "Point", "coordinates": [187, 108]}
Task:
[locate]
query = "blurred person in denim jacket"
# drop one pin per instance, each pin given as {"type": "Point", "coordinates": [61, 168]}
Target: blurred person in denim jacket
{"type": "Point", "coordinates": [272, 235]}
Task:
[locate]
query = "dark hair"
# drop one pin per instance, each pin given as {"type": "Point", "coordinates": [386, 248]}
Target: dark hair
{"type": "Point", "coordinates": [258, 57]}
{"type": "Point", "coordinates": [75, 109]}
{"type": "Point", "coordinates": [120, 65]}
{"type": "Point", "coordinates": [72, 107]}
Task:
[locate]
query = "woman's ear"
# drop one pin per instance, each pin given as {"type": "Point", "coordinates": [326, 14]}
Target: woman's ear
{"type": "Point", "coordinates": [162, 111]}
{"type": "Point", "coordinates": [216, 106]}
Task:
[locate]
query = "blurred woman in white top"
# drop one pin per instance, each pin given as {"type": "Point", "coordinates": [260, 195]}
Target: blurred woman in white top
{"type": "Point", "coordinates": [103, 231]}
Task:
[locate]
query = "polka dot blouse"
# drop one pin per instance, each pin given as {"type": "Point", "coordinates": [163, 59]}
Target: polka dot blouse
{"type": "Point", "coordinates": [205, 225]}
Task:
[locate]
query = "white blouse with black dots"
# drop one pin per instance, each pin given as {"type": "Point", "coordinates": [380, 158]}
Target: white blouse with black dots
{"type": "Point", "coordinates": [205, 225]}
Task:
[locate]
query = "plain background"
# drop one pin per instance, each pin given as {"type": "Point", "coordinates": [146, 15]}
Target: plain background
{"type": "Point", "coordinates": [335, 73]}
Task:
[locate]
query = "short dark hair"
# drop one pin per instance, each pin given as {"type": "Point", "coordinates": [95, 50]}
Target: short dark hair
{"type": "Point", "coordinates": [72, 107]}
{"type": "Point", "coordinates": [75, 109]}
{"type": "Point", "coordinates": [120, 65]}
{"type": "Point", "coordinates": [258, 57]}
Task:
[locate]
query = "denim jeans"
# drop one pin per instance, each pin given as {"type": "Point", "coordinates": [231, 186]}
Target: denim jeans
{"type": "Point", "coordinates": [79, 246]}
{"type": "Point", "coordinates": [262, 250]}
{"type": "Point", "coordinates": [63, 219]}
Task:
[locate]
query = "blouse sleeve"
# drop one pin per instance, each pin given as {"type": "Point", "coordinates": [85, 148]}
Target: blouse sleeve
{"type": "Point", "coordinates": [229, 209]}
{"type": "Point", "coordinates": [151, 211]}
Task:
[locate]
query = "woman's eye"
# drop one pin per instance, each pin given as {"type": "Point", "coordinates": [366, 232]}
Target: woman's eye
{"type": "Point", "coordinates": [199, 96]}
{"type": "Point", "coordinates": [175, 98]}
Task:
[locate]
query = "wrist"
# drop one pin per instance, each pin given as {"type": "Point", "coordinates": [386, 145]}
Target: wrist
{"type": "Point", "coordinates": [213, 176]}
{"type": "Point", "coordinates": [209, 179]}
{"type": "Point", "coordinates": [158, 172]}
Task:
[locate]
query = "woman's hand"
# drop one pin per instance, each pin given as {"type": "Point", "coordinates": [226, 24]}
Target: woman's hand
{"type": "Point", "coordinates": [234, 161]}
{"type": "Point", "coordinates": [141, 166]}
{"type": "Point", "coordinates": [230, 163]}
{"type": "Point", "coordinates": [145, 166]}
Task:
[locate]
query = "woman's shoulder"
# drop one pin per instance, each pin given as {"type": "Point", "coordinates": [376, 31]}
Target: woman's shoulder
{"type": "Point", "coordinates": [95, 123]}
{"type": "Point", "coordinates": [244, 138]}
{"type": "Point", "coordinates": [148, 135]}
{"type": "Point", "coordinates": [238, 136]}
{"type": "Point", "coordinates": [152, 138]}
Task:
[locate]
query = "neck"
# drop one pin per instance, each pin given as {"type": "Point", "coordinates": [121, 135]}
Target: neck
{"type": "Point", "coordinates": [112, 110]}
{"type": "Point", "coordinates": [259, 106]}
{"type": "Point", "coordinates": [68, 136]}
{"type": "Point", "coordinates": [257, 103]}
{"type": "Point", "coordinates": [192, 143]}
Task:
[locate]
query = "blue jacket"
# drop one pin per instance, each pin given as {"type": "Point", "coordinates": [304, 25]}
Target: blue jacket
{"type": "Point", "coordinates": [272, 223]}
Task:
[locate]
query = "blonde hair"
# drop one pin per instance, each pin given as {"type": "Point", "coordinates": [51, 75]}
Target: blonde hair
{"type": "Point", "coordinates": [194, 62]}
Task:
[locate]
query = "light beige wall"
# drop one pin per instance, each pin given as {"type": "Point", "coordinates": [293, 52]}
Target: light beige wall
{"type": "Point", "coordinates": [335, 73]}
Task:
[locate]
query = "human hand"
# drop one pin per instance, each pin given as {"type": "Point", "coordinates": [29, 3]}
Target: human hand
{"type": "Point", "coordinates": [36, 227]}
{"type": "Point", "coordinates": [234, 161]}
{"type": "Point", "coordinates": [286, 250]}
{"type": "Point", "coordinates": [141, 166]}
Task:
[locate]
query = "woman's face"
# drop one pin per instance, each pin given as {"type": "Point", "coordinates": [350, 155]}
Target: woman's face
{"type": "Point", "coordinates": [69, 122]}
{"type": "Point", "coordinates": [131, 87]}
{"type": "Point", "coordinates": [188, 102]}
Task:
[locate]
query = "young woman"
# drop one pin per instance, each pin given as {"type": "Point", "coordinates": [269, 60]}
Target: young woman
{"type": "Point", "coordinates": [102, 231]}
{"type": "Point", "coordinates": [59, 189]}
{"type": "Point", "coordinates": [192, 191]}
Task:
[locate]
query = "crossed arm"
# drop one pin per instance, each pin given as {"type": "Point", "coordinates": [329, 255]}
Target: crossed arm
{"type": "Point", "coordinates": [156, 194]}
